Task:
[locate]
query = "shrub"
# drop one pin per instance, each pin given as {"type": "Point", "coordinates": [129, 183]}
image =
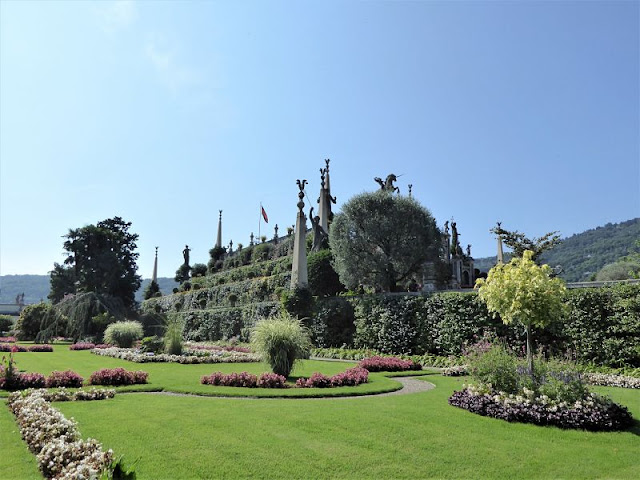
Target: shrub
{"type": "Point", "coordinates": [40, 348]}
{"type": "Point", "coordinates": [5, 347]}
{"type": "Point", "coordinates": [261, 252]}
{"type": "Point", "coordinates": [349, 378]}
{"type": "Point", "coordinates": [271, 380]}
{"type": "Point", "coordinates": [123, 334]}
{"type": "Point", "coordinates": [323, 279]}
{"type": "Point", "coordinates": [388, 364]}
{"type": "Point", "coordinates": [281, 342]}
{"type": "Point", "coordinates": [242, 379]}
{"type": "Point", "coordinates": [152, 344]}
{"type": "Point", "coordinates": [173, 338]}
{"type": "Point", "coordinates": [117, 376]}
{"type": "Point", "coordinates": [6, 323]}
{"type": "Point", "coordinates": [332, 323]}
{"type": "Point", "coordinates": [82, 346]}
{"type": "Point", "coordinates": [31, 319]}
{"type": "Point", "coordinates": [67, 378]}
{"type": "Point", "coordinates": [297, 302]}
{"type": "Point", "coordinates": [495, 367]}
{"type": "Point", "coordinates": [199, 270]}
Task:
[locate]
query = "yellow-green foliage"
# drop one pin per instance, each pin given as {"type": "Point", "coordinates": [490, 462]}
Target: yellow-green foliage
{"type": "Point", "coordinates": [524, 292]}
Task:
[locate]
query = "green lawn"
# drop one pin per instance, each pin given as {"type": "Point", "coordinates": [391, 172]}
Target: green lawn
{"type": "Point", "coordinates": [404, 436]}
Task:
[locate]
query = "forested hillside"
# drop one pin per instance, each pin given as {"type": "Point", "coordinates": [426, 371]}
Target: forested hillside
{"type": "Point", "coordinates": [583, 254]}
{"type": "Point", "coordinates": [36, 287]}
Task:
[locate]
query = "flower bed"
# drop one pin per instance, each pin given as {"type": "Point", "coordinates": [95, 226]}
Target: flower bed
{"type": "Point", "coordinates": [4, 347]}
{"type": "Point", "coordinates": [608, 380]}
{"type": "Point", "coordinates": [388, 364]}
{"type": "Point", "coordinates": [67, 378]}
{"type": "Point", "coordinates": [117, 377]}
{"type": "Point", "coordinates": [56, 440]}
{"type": "Point", "coordinates": [594, 413]}
{"type": "Point", "coordinates": [349, 378]}
{"type": "Point", "coordinates": [40, 348]}
{"type": "Point", "coordinates": [215, 357]}
{"type": "Point", "coordinates": [245, 379]}
{"type": "Point", "coordinates": [8, 339]}
{"type": "Point", "coordinates": [216, 348]}
{"type": "Point", "coordinates": [82, 346]}
{"type": "Point", "coordinates": [21, 381]}
{"type": "Point", "coordinates": [458, 371]}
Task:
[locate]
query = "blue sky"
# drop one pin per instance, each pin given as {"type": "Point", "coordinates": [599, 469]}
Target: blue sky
{"type": "Point", "coordinates": [165, 112]}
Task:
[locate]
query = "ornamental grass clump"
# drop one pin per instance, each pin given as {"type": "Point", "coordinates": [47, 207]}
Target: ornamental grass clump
{"type": "Point", "coordinates": [173, 338]}
{"type": "Point", "coordinates": [123, 334]}
{"type": "Point", "coordinates": [281, 342]}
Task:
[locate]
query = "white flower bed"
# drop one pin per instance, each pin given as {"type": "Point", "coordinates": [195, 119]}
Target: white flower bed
{"type": "Point", "coordinates": [608, 380]}
{"type": "Point", "coordinates": [56, 441]}
{"type": "Point", "coordinates": [456, 371]}
{"type": "Point", "coordinates": [215, 357]}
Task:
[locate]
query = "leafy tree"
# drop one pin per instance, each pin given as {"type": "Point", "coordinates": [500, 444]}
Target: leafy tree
{"type": "Point", "coordinates": [6, 323]}
{"type": "Point", "coordinates": [182, 274]}
{"type": "Point", "coordinates": [89, 313]}
{"type": "Point", "coordinates": [102, 259]}
{"type": "Point", "coordinates": [634, 259]}
{"type": "Point", "coordinates": [30, 320]}
{"type": "Point", "coordinates": [517, 242]}
{"type": "Point", "coordinates": [618, 271]}
{"type": "Point", "coordinates": [152, 290]}
{"type": "Point", "coordinates": [380, 239]}
{"type": "Point", "coordinates": [523, 292]}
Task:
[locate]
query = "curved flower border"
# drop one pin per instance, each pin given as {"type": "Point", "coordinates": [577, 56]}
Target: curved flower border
{"type": "Point", "coordinates": [54, 439]}
{"type": "Point", "coordinates": [215, 357]}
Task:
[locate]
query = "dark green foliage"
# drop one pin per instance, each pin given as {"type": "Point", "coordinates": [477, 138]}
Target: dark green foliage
{"type": "Point", "coordinates": [30, 320]}
{"type": "Point", "coordinates": [83, 308]}
{"type": "Point", "coordinates": [151, 290]}
{"type": "Point", "coordinates": [182, 274]}
{"type": "Point", "coordinates": [153, 344]}
{"type": "Point", "coordinates": [332, 322]}
{"type": "Point", "coordinates": [297, 302]}
{"type": "Point", "coordinates": [199, 270]}
{"type": "Point", "coordinates": [380, 240]}
{"type": "Point", "coordinates": [323, 279]}
{"type": "Point", "coordinates": [6, 323]}
{"type": "Point", "coordinates": [261, 252]}
{"type": "Point", "coordinates": [217, 253]}
{"type": "Point", "coordinates": [102, 259]}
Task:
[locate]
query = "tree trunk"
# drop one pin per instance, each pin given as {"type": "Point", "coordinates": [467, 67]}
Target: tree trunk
{"type": "Point", "coordinates": [529, 351]}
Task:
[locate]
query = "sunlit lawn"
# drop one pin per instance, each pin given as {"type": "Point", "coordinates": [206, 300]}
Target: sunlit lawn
{"type": "Point", "coordinates": [403, 436]}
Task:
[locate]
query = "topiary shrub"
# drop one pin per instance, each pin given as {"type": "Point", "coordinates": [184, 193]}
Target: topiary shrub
{"type": "Point", "coordinates": [281, 342]}
{"type": "Point", "coordinates": [123, 334]}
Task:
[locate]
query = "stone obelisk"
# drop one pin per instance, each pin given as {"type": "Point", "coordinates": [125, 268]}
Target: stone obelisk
{"type": "Point", "coordinates": [322, 203]}
{"type": "Point", "coordinates": [500, 256]}
{"type": "Point", "coordinates": [219, 237]}
{"type": "Point", "coordinates": [154, 277]}
{"type": "Point", "coordinates": [299, 277]}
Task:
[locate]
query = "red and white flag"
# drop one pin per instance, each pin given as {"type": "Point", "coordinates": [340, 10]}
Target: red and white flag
{"type": "Point", "coordinates": [264, 214]}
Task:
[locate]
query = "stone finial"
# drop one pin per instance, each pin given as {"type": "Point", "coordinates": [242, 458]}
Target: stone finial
{"type": "Point", "coordinates": [251, 237]}
{"type": "Point", "coordinates": [410, 187]}
{"type": "Point", "coordinates": [301, 185]}
{"type": "Point", "coordinates": [220, 215]}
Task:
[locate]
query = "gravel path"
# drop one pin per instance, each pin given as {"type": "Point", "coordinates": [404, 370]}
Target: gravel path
{"type": "Point", "coordinates": [409, 385]}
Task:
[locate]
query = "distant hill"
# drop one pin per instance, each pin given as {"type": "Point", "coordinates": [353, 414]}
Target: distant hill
{"type": "Point", "coordinates": [583, 254]}
{"type": "Point", "coordinates": [36, 287]}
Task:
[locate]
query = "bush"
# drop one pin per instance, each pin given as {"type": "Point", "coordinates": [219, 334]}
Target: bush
{"type": "Point", "coordinates": [40, 348]}
{"type": "Point", "coordinates": [67, 379]}
{"type": "Point", "coordinates": [199, 270]}
{"type": "Point", "coordinates": [82, 346]}
{"type": "Point", "coordinates": [117, 376]}
{"type": "Point", "coordinates": [349, 378]}
{"type": "Point", "coordinates": [31, 319]}
{"type": "Point", "coordinates": [152, 344]}
{"type": "Point", "coordinates": [297, 302]}
{"type": "Point", "coordinates": [496, 367]}
{"type": "Point", "coordinates": [261, 252]}
{"type": "Point", "coordinates": [388, 364]}
{"type": "Point", "coordinates": [281, 342]}
{"type": "Point", "coordinates": [323, 279]}
{"type": "Point", "coordinates": [123, 334]}
{"type": "Point", "coordinates": [6, 323]}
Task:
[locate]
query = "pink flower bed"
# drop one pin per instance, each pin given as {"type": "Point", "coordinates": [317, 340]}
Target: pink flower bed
{"type": "Point", "coordinates": [82, 346]}
{"type": "Point", "coordinates": [348, 378]}
{"type": "Point", "coordinates": [388, 364]}
{"type": "Point", "coordinates": [117, 376]}
{"type": "Point", "coordinates": [8, 339]}
{"type": "Point", "coordinates": [67, 378]}
{"type": "Point", "coordinates": [244, 379]}
{"type": "Point", "coordinates": [40, 348]}
{"type": "Point", "coordinates": [4, 347]}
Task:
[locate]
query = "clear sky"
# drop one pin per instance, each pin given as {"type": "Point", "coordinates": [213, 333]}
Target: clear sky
{"type": "Point", "coordinates": [165, 112]}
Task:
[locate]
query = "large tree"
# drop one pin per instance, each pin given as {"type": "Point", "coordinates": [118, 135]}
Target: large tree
{"type": "Point", "coordinates": [101, 259]}
{"type": "Point", "coordinates": [380, 240]}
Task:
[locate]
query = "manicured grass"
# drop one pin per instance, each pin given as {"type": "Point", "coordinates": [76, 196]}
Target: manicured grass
{"type": "Point", "coordinates": [16, 461]}
{"type": "Point", "coordinates": [404, 436]}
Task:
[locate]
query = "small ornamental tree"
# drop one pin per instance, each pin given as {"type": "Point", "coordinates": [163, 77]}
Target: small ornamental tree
{"type": "Point", "coordinates": [524, 292]}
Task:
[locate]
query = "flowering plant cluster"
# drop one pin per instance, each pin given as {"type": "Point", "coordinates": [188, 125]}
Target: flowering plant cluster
{"type": "Point", "coordinates": [245, 379]}
{"type": "Point", "coordinates": [388, 364]}
{"type": "Point", "coordinates": [609, 380]}
{"type": "Point", "coordinates": [8, 339]}
{"type": "Point", "coordinates": [10, 380]}
{"type": "Point", "coordinates": [592, 413]}
{"type": "Point", "coordinates": [67, 378]}
{"type": "Point", "coordinates": [40, 348]}
{"type": "Point", "coordinates": [82, 346]}
{"type": "Point", "coordinates": [56, 440]}
{"type": "Point", "coordinates": [349, 378]}
{"type": "Point", "coordinates": [458, 371]}
{"type": "Point", "coordinates": [117, 376]}
{"type": "Point", "coordinates": [215, 357]}
{"type": "Point", "coordinates": [217, 348]}
{"type": "Point", "coordinates": [63, 395]}
{"type": "Point", "coordinates": [12, 348]}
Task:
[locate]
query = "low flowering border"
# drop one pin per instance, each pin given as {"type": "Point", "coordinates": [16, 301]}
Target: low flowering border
{"type": "Point", "coordinates": [457, 371]}
{"type": "Point", "coordinates": [349, 378]}
{"type": "Point", "coordinates": [117, 377]}
{"type": "Point", "coordinates": [55, 440]}
{"type": "Point", "coordinates": [214, 357]}
{"type": "Point", "coordinates": [388, 364]}
{"type": "Point", "coordinates": [595, 413]}
{"type": "Point", "coordinates": [245, 379]}
{"type": "Point", "coordinates": [608, 380]}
